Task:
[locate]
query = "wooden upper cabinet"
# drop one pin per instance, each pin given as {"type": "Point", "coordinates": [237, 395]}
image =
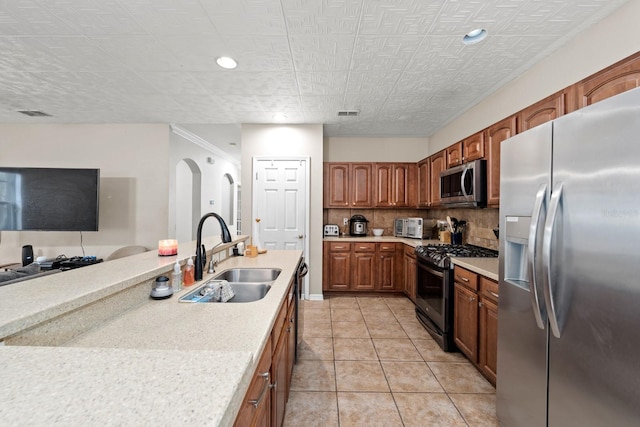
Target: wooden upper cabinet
{"type": "Point", "coordinates": [438, 163]}
{"type": "Point", "coordinates": [541, 112]}
{"type": "Point", "coordinates": [454, 154]}
{"type": "Point", "coordinates": [473, 147]}
{"type": "Point", "coordinates": [360, 174]}
{"type": "Point", "coordinates": [395, 184]}
{"type": "Point", "coordinates": [424, 182]}
{"type": "Point", "coordinates": [494, 135]}
{"type": "Point", "coordinates": [348, 185]}
{"type": "Point", "coordinates": [620, 77]}
{"type": "Point", "coordinates": [336, 185]}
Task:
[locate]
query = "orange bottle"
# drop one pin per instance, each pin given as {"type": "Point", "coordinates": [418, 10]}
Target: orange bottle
{"type": "Point", "coordinates": [189, 273]}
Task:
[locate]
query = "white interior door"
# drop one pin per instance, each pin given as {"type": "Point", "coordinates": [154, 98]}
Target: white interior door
{"type": "Point", "coordinates": [280, 202]}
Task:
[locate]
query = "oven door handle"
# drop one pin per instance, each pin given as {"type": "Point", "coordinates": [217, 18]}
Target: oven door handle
{"type": "Point", "coordinates": [431, 270]}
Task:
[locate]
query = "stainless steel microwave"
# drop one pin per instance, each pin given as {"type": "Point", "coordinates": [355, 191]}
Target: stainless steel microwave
{"type": "Point", "coordinates": [464, 185]}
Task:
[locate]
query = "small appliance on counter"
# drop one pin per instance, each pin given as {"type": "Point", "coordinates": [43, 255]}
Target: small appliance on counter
{"type": "Point", "coordinates": [331, 230]}
{"type": "Point", "coordinates": [358, 225]}
{"type": "Point", "coordinates": [161, 288]}
{"type": "Point", "coordinates": [413, 228]}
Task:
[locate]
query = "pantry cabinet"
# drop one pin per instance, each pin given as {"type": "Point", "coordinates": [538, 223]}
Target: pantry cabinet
{"type": "Point", "coordinates": [475, 326]}
{"type": "Point", "coordinates": [364, 266]}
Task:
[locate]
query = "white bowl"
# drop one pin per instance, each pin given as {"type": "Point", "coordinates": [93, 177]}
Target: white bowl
{"type": "Point", "coordinates": [377, 231]}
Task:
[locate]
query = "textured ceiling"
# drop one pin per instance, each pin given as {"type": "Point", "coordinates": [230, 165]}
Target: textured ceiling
{"type": "Point", "coordinates": [401, 63]}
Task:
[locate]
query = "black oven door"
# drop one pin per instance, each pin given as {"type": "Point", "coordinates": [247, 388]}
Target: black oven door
{"type": "Point", "coordinates": [431, 294]}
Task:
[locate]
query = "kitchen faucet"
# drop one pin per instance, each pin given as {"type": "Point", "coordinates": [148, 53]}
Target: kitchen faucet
{"type": "Point", "coordinates": [201, 255]}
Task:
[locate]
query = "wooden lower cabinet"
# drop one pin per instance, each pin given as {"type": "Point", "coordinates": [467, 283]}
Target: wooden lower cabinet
{"type": "Point", "coordinates": [409, 264]}
{"type": "Point", "coordinates": [475, 328]}
{"type": "Point", "coordinates": [488, 329]}
{"type": "Point", "coordinates": [280, 380]}
{"type": "Point", "coordinates": [465, 324]}
{"type": "Point", "coordinates": [256, 406]}
{"type": "Point", "coordinates": [267, 396]}
{"type": "Point", "coordinates": [364, 266]}
{"type": "Point", "coordinates": [336, 269]}
{"type": "Point", "coordinates": [488, 355]}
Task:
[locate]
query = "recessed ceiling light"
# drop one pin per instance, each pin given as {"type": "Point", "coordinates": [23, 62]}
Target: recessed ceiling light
{"type": "Point", "coordinates": [279, 117]}
{"type": "Point", "coordinates": [226, 62]}
{"type": "Point", "coordinates": [475, 36]}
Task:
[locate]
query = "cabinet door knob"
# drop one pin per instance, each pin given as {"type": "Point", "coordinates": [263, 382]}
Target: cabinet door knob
{"type": "Point", "coordinates": [472, 299]}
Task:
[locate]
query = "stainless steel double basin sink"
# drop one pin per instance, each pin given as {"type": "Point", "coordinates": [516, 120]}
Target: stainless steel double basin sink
{"type": "Point", "coordinates": [248, 284]}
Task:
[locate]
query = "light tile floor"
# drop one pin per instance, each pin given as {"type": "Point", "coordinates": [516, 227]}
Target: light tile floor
{"type": "Point", "coordinates": [366, 361]}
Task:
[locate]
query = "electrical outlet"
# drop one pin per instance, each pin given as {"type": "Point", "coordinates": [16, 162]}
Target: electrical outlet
{"type": "Point", "coordinates": [345, 221]}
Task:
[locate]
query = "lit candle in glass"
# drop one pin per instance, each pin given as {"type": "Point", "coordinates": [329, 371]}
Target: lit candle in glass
{"type": "Point", "coordinates": [167, 247]}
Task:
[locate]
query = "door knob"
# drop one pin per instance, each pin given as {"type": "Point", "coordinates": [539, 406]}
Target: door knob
{"type": "Point", "coordinates": [300, 236]}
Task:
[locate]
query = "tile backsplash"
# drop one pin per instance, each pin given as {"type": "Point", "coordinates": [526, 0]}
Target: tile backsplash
{"type": "Point", "coordinates": [478, 231]}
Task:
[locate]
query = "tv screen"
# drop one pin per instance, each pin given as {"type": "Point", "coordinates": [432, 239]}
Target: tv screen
{"type": "Point", "coordinates": [49, 199]}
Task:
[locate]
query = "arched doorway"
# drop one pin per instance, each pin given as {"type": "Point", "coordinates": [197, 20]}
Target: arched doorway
{"type": "Point", "coordinates": [188, 199]}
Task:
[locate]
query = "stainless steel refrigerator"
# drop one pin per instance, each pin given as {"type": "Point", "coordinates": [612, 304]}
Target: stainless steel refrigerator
{"type": "Point", "coordinates": [569, 311]}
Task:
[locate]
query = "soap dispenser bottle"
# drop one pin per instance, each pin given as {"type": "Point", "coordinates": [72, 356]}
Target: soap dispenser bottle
{"type": "Point", "coordinates": [176, 277]}
{"type": "Point", "coordinates": [189, 273]}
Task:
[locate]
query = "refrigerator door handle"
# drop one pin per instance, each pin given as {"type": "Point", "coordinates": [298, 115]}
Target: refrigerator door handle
{"type": "Point", "coordinates": [539, 311]}
{"type": "Point", "coordinates": [549, 228]}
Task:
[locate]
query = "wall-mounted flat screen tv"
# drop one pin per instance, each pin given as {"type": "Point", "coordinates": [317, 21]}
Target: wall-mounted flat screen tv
{"type": "Point", "coordinates": [49, 199]}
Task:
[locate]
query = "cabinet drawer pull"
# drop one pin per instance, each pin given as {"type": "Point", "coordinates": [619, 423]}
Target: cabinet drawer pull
{"type": "Point", "coordinates": [363, 247]}
{"type": "Point", "coordinates": [494, 294]}
{"type": "Point", "coordinates": [256, 402]}
{"type": "Point", "coordinates": [464, 279]}
{"type": "Point", "coordinates": [338, 247]}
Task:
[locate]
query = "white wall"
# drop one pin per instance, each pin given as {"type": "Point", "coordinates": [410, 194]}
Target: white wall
{"type": "Point", "coordinates": [375, 149]}
{"type": "Point", "coordinates": [288, 140]}
{"type": "Point", "coordinates": [133, 162]}
{"type": "Point", "coordinates": [211, 183]}
{"type": "Point", "coordinates": [607, 42]}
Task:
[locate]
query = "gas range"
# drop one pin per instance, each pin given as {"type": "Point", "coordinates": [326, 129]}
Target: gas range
{"type": "Point", "coordinates": [440, 254]}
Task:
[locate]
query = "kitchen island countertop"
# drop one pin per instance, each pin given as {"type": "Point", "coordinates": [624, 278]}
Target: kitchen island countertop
{"type": "Point", "coordinates": [165, 362]}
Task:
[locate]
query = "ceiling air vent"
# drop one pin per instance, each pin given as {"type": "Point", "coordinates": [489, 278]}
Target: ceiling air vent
{"type": "Point", "coordinates": [34, 113]}
{"type": "Point", "coordinates": [348, 113]}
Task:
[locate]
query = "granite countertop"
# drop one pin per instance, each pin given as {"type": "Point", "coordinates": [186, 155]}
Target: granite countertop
{"type": "Point", "coordinates": [487, 267]}
{"type": "Point", "coordinates": [383, 239]}
{"type": "Point", "coordinates": [166, 362]}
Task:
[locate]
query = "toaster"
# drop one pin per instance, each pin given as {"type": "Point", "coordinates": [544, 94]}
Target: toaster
{"type": "Point", "coordinates": [331, 230]}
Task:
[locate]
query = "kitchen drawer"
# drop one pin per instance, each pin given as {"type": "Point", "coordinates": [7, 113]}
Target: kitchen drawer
{"type": "Point", "coordinates": [339, 247]}
{"type": "Point", "coordinates": [364, 247]}
{"type": "Point", "coordinates": [410, 251]}
{"type": "Point", "coordinates": [489, 288]}
{"type": "Point", "coordinates": [387, 247]}
{"type": "Point", "coordinates": [466, 277]}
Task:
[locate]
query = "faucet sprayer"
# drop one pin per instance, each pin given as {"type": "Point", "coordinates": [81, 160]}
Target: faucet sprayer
{"type": "Point", "coordinates": [201, 254]}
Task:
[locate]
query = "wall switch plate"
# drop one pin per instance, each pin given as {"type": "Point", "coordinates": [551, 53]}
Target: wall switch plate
{"type": "Point", "coordinates": [345, 221]}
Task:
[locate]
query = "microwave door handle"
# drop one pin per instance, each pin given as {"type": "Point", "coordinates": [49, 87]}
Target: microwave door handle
{"type": "Point", "coordinates": [462, 177]}
{"type": "Point", "coordinates": [538, 310]}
